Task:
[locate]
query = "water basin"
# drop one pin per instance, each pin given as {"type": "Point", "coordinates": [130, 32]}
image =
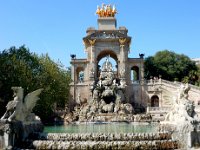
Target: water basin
{"type": "Point", "coordinates": [104, 128]}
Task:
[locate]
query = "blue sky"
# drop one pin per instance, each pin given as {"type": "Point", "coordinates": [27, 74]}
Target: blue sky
{"type": "Point", "coordinates": [57, 27]}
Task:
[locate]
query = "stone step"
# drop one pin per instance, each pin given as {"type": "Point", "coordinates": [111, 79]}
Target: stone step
{"type": "Point", "coordinates": [122, 145]}
{"type": "Point", "coordinates": [105, 136]}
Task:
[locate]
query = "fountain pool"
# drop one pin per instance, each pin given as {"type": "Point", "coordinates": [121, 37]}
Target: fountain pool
{"type": "Point", "coordinates": [104, 128]}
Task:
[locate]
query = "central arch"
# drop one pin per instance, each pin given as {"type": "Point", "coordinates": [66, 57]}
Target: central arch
{"type": "Point", "coordinates": [105, 53]}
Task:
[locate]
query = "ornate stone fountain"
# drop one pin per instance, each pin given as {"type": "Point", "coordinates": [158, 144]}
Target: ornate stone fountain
{"type": "Point", "coordinates": [108, 102]}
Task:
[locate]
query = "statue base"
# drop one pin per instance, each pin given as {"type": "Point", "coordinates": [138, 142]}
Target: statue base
{"type": "Point", "coordinates": [13, 134]}
{"type": "Point", "coordinates": [186, 133]}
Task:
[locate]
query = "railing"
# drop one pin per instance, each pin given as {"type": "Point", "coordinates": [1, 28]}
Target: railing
{"type": "Point", "coordinates": [176, 83]}
{"type": "Point", "coordinates": [153, 81]}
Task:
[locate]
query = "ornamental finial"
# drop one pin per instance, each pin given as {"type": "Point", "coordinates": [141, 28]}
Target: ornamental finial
{"type": "Point", "coordinates": [106, 11]}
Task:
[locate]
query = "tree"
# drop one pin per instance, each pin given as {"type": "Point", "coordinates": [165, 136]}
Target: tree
{"type": "Point", "coordinates": [19, 67]}
{"type": "Point", "coordinates": [55, 81]}
{"type": "Point", "coordinates": [170, 66]}
{"type": "Point", "coordinates": [198, 81]}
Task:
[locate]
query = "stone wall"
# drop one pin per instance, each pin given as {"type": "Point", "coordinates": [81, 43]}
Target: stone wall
{"type": "Point", "coordinates": [82, 92]}
{"type": "Point", "coordinates": [141, 93]}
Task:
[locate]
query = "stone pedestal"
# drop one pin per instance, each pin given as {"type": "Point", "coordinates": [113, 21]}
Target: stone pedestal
{"type": "Point", "coordinates": [12, 134]}
{"type": "Point", "coordinates": [187, 137]}
{"type": "Point", "coordinates": [107, 23]}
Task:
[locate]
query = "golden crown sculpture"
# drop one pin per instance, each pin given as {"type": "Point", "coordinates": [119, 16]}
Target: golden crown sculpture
{"type": "Point", "coordinates": [106, 11]}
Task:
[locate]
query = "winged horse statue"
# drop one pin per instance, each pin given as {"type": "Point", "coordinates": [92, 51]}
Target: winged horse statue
{"type": "Point", "coordinates": [20, 108]}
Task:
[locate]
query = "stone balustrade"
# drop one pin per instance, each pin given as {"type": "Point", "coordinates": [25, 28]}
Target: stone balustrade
{"type": "Point", "coordinates": [165, 90]}
{"type": "Point", "coordinates": [177, 84]}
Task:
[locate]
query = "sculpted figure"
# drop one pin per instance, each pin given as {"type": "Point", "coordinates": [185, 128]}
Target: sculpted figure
{"type": "Point", "coordinates": [91, 73]}
{"type": "Point", "coordinates": [19, 110]}
{"type": "Point", "coordinates": [13, 105]}
{"type": "Point", "coordinates": [101, 104]}
{"type": "Point", "coordinates": [117, 107]}
{"type": "Point", "coordinates": [106, 11]}
{"type": "Point", "coordinates": [84, 110]}
{"type": "Point", "coordinates": [107, 65]}
{"type": "Point", "coordinates": [183, 109]}
{"type": "Point", "coordinates": [122, 72]}
{"type": "Point", "coordinates": [95, 94]}
{"type": "Point", "coordinates": [78, 100]}
{"type": "Point", "coordinates": [190, 113]}
{"type": "Point", "coordinates": [114, 11]}
{"type": "Point", "coordinates": [183, 92]}
{"type": "Point", "coordinates": [81, 76]}
{"type": "Point", "coordinates": [94, 107]}
{"type": "Point", "coordinates": [120, 96]}
{"type": "Point", "coordinates": [128, 108]}
{"type": "Point", "coordinates": [109, 108]}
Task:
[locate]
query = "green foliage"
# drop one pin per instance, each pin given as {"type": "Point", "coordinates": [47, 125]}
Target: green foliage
{"type": "Point", "coordinates": [171, 66]}
{"type": "Point", "coordinates": [19, 67]}
{"type": "Point", "coordinates": [55, 81]}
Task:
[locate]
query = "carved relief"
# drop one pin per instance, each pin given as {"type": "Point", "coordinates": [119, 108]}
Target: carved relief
{"type": "Point", "coordinates": [122, 41]}
{"type": "Point", "coordinates": [92, 42]}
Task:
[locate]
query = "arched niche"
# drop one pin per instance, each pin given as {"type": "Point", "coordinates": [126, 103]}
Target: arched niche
{"type": "Point", "coordinates": [154, 101]}
{"type": "Point", "coordinates": [80, 74]}
{"type": "Point", "coordinates": [135, 73]}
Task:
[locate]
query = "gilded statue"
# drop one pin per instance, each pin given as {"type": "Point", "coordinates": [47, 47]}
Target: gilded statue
{"type": "Point", "coordinates": [106, 11]}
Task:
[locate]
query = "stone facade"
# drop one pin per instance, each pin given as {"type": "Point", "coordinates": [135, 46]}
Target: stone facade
{"type": "Point", "coordinates": [107, 40]}
{"type": "Point", "coordinates": [155, 95]}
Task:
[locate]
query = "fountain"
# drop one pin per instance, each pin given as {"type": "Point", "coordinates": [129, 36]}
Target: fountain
{"type": "Point", "coordinates": [105, 97]}
{"type": "Point", "coordinates": [102, 102]}
{"type": "Point", "coordinates": [108, 101]}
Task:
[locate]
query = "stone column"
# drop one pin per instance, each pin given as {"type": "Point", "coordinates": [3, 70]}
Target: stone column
{"type": "Point", "coordinates": [93, 66]}
{"type": "Point", "coordinates": [142, 71]}
{"type": "Point", "coordinates": [122, 65]}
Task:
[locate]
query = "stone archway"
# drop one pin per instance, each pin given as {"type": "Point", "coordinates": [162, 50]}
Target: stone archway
{"type": "Point", "coordinates": [154, 101]}
{"type": "Point", "coordinates": [104, 54]}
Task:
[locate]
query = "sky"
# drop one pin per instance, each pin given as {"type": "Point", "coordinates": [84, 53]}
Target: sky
{"type": "Point", "coordinates": [57, 27]}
